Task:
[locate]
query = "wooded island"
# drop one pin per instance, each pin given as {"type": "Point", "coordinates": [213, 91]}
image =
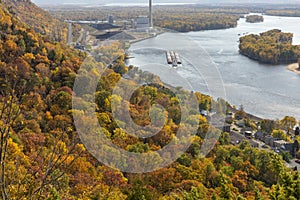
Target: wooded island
{"type": "Point", "coordinates": [254, 18]}
{"type": "Point", "coordinates": [273, 47]}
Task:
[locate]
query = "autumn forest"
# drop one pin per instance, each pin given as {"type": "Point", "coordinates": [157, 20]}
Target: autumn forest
{"type": "Point", "coordinates": [43, 157]}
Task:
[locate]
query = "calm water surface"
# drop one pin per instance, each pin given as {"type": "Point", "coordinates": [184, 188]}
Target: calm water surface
{"type": "Point", "coordinates": [212, 65]}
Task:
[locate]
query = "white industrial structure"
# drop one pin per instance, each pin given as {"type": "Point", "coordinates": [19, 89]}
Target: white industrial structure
{"type": "Point", "coordinates": [142, 22]}
{"type": "Point", "coordinates": [145, 21]}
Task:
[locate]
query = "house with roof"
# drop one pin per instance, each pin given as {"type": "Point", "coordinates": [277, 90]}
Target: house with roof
{"type": "Point", "coordinates": [237, 138]}
{"type": "Point", "coordinates": [259, 135]}
{"type": "Point", "coordinates": [254, 143]}
{"type": "Point", "coordinates": [219, 122]}
{"type": "Point", "coordinates": [269, 140]}
{"type": "Point", "coordinates": [280, 144]}
{"type": "Point", "coordinates": [240, 123]}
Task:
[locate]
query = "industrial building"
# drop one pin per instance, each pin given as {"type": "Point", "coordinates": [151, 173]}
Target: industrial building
{"type": "Point", "coordinates": [110, 19]}
{"type": "Point", "coordinates": [142, 22]}
{"type": "Point", "coordinates": [145, 21]}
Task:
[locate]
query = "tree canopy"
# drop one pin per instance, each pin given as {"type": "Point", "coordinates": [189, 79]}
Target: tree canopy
{"type": "Point", "coordinates": [254, 18]}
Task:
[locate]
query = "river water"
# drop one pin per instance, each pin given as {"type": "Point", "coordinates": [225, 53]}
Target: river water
{"type": "Point", "coordinates": [213, 65]}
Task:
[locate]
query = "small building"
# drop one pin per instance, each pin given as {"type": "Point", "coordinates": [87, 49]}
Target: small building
{"type": "Point", "coordinates": [249, 134]}
{"type": "Point", "coordinates": [260, 135]}
{"type": "Point", "coordinates": [236, 137]}
{"type": "Point", "coordinates": [289, 147]}
{"type": "Point", "coordinates": [269, 140]}
{"type": "Point", "coordinates": [218, 122]}
{"type": "Point", "coordinates": [280, 144]}
{"type": "Point", "coordinates": [240, 123]}
{"type": "Point", "coordinates": [253, 143]}
{"type": "Point", "coordinates": [222, 126]}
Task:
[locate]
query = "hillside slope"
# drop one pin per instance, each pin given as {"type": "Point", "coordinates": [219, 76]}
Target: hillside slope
{"type": "Point", "coordinates": [33, 70]}
{"type": "Point", "coordinates": [38, 19]}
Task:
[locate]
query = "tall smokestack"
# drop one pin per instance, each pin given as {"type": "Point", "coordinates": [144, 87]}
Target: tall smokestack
{"type": "Point", "coordinates": [150, 14]}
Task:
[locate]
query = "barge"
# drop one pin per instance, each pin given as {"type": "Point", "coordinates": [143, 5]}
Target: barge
{"type": "Point", "coordinates": [173, 58]}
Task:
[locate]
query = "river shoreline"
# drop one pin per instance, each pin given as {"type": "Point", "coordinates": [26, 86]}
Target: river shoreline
{"type": "Point", "coordinates": [149, 36]}
{"type": "Point", "coordinates": [294, 68]}
{"type": "Point", "coordinates": [261, 88]}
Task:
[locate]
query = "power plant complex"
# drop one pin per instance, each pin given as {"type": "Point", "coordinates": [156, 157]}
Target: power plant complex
{"type": "Point", "coordinates": [140, 24]}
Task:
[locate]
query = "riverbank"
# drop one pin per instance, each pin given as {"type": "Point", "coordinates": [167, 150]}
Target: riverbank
{"type": "Point", "coordinates": [294, 68]}
{"type": "Point", "coordinates": [145, 36]}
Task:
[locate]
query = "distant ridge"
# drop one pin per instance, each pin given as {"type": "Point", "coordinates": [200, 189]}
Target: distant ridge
{"type": "Point", "coordinates": [41, 2]}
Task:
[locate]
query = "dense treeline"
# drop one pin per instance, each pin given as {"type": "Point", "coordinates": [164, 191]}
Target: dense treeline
{"type": "Point", "coordinates": [196, 18]}
{"type": "Point", "coordinates": [254, 18]}
{"type": "Point", "coordinates": [272, 47]}
{"type": "Point", "coordinates": [284, 12]}
{"type": "Point", "coordinates": [42, 157]}
{"type": "Point", "coordinates": [196, 22]}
